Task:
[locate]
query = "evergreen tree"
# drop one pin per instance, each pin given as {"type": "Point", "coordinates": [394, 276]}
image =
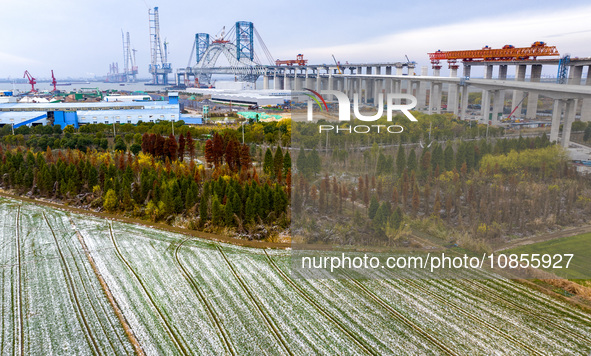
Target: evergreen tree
{"type": "Point", "coordinates": [315, 163]}
{"type": "Point", "coordinates": [249, 212]}
{"type": "Point", "coordinates": [412, 161]}
{"type": "Point", "coordinates": [286, 163]}
{"type": "Point", "coordinates": [120, 145]}
{"type": "Point", "coordinates": [381, 165]}
{"type": "Point", "coordinates": [396, 218]}
{"type": "Point", "coordinates": [437, 158]}
{"type": "Point", "coordinates": [302, 163]}
{"type": "Point", "coordinates": [400, 160]}
{"type": "Point", "coordinates": [382, 214]}
{"type": "Point", "coordinates": [373, 207]}
{"type": "Point", "coordinates": [268, 163]}
{"type": "Point", "coordinates": [228, 215]}
{"type": "Point", "coordinates": [203, 216]}
{"type": "Point", "coordinates": [217, 211]}
{"type": "Point", "coordinates": [278, 161]}
{"type": "Point", "coordinates": [448, 157]}
{"type": "Point", "coordinates": [135, 148]}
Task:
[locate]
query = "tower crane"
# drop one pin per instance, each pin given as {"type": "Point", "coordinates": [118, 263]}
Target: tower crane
{"type": "Point", "coordinates": [53, 81]}
{"type": "Point", "coordinates": [338, 65]}
{"type": "Point", "coordinates": [32, 81]}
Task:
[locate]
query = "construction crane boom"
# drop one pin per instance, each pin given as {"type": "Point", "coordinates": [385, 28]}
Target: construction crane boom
{"type": "Point", "coordinates": [53, 81]}
{"type": "Point", "coordinates": [32, 81]}
{"type": "Point", "coordinates": [338, 65]}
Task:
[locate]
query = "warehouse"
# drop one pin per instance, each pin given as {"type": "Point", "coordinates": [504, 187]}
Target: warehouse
{"type": "Point", "coordinates": [76, 114]}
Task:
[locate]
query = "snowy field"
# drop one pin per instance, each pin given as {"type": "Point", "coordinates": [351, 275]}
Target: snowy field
{"type": "Point", "coordinates": [77, 285]}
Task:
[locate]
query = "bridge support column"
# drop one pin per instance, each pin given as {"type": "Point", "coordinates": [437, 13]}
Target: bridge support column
{"type": "Point", "coordinates": [265, 81]}
{"type": "Point", "coordinates": [532, 98]}
{"type": "Point", "coordinates": [368, 90]}
{"type": "Point", "coordinates": [556, 115]}
{"type": "Point", "coordinates": [422, 92]}
{"type": "Point", "coordinates": [586, 107]}
{"type": "Point", "coordinates": [397, 89]}
{"type": "Point", "coordinates": [498, 98]}
{"type": "Point", "coordinates": [438, 91]}
{"type": "Point", "coordinates": [569, 118]}
{"type": "Point", "coordinates": [574, 78]}
{"type": "Point", "coordinates": [485, 106]}
{"type": "Point", "coordinates": [275, 86]}
{"type": "Point", "coordinates": [518, 94]}
{"type": "Point", "coordinates": [430, 86]}
{"type": "Point", "coordinates": [399, 70]}
{"type": "Point", "coordinates": [388, 70]}
{"type": "Point", "coordinates": [452, 93]}
{"type": "Point", "coordinates": [285, 82]}
{"type": "Point", "coordinates": [485, 100]}
{"type": "Point", "coordinates": [464, 104]}
{"type": "Point", "coordinates": [318, 81]}
{"type": "Point", "coordinates": [377, 89]}
{"type": "Point", "coordinates": [296, 81]}
{"type": "Point", "coordinates": [359, 88]}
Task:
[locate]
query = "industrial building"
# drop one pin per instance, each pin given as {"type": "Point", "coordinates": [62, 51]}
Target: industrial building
{"type": "Point", "coordinates": [76, 114]}
{"type": "Point", "coordinates": [259, 98]}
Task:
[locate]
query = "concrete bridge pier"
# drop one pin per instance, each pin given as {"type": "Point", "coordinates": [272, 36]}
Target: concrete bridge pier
{"type": "Point", "coordinates": [397, 89]}
{"type": "Point", "coordinates": [452, 92]}
{"type": "Point", "coordinates": [586, 107]}
{"type": "Point", "coordinates": [574, 78]}
{"type": "Point", "coordinates": [285, 81]}
{"type": "Point", "coordinates": [532, 98]}
{"type": "Point", "coordinates": [318, 81]}
{"type": "Point", "coordinates": [556, 116]}
{"type": "Point", "coordinates": [275, 84]}
{"type": "Point", "coordinates": [422, 94]}
{"type": "Point", "coordinates": [569, 118]}
{"type": "Point", "coordinates": [500, 96]}
{"type": "Point", "coordinates": [485, 100]}
{"type": "Point", "coordinates": [518, 94]}
{"type": "Point", "coordinates": [464, 102]}
{"type": "Point", "coordinates": [497, 98]}
{"type": "Point", "coordinates": [378, 89]}
{"type": "Point", "coordinates": [266, 81]}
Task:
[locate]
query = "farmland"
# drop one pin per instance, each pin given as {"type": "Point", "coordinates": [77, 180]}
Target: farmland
{"type": "Point", "coordinates": [75, 284]}
{"type": "Point", "coordinates": [581, 244]}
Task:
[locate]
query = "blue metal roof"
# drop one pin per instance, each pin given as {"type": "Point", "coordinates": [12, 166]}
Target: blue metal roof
{"type": "Point", "coordinates": [147, 105]}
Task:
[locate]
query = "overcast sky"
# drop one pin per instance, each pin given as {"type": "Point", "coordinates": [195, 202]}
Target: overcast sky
{"type": "Point", "coordinates": [82, 37]}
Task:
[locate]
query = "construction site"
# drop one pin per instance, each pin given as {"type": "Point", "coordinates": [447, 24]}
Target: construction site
{"type": "Point", "coordinates": [478, 87]}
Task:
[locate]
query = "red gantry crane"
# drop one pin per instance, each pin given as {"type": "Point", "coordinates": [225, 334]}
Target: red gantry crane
{"type": "Point", "coordinates": [300, 61]}
{"type": "Point", "coordinates": [32, 81]}
{"type": "Point", "coordinates": [53, 81]}
{"type": "Point", "coordinates": [507, 53]}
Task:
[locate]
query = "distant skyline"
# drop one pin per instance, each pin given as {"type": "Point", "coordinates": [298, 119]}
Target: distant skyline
{"type": "Point", "coordinates": [80, 38]}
